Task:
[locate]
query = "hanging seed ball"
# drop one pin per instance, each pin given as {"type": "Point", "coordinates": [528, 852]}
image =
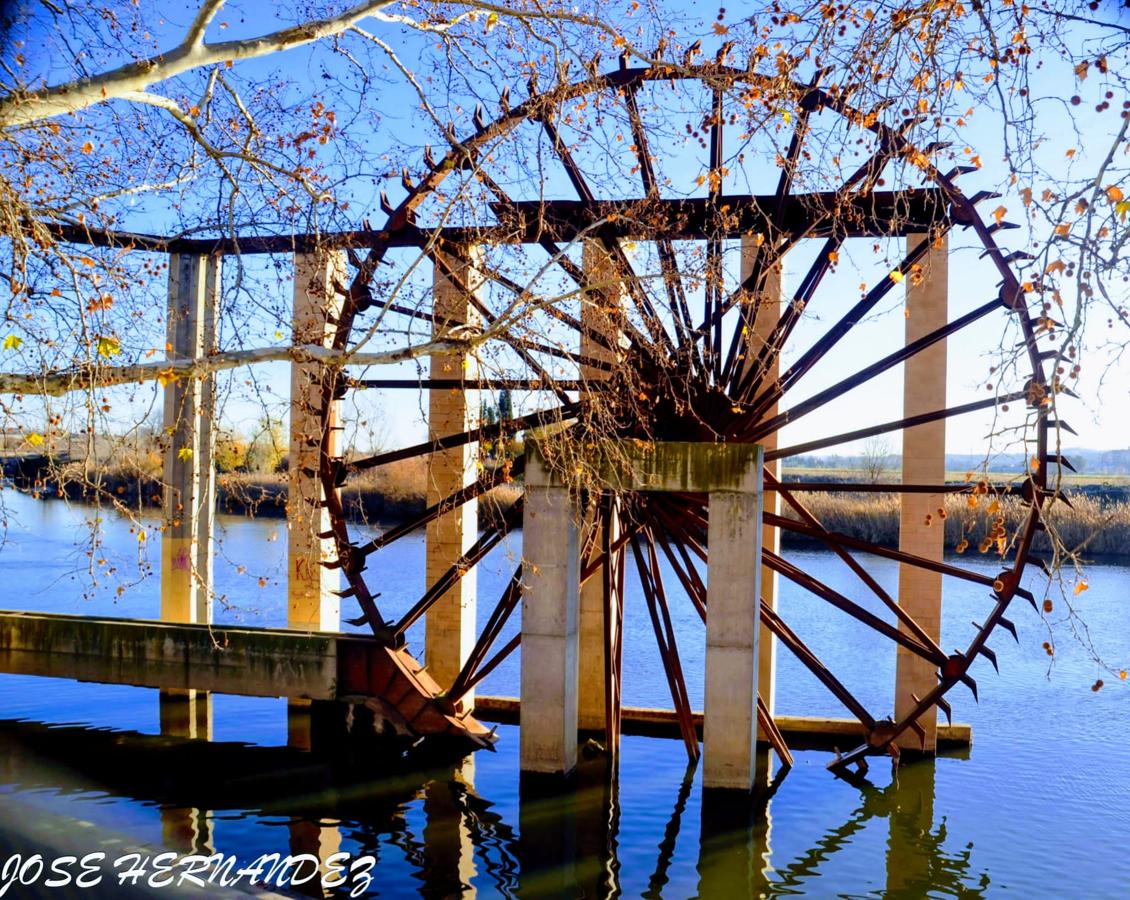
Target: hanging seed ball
{"type": "Point", "coordinates": [1048, 606]}
{"type": "Point", "coordinates": [1097, 686]}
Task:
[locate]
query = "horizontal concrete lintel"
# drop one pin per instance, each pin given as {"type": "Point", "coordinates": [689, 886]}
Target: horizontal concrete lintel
{"type": "Point", "coordinates": [687, 466]}
{"type": "Point", "coordinates": [801, 732]}
{"type": "Point", "coordinates": [257, 662]}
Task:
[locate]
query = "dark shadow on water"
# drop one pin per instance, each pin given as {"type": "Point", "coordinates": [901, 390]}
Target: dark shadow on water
{"type": "Point", "coordinates": [568, 840]}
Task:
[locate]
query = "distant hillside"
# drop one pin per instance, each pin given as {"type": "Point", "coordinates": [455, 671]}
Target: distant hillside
{"type": "Point", "coordinates": [1086, 461]}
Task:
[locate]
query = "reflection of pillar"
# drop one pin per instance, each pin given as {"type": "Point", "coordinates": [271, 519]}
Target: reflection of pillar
{"type": "Point", "coordinates": [921, 531]}
{"type": "Point", "coordinates": [318, 839]}
{"type": "Point", "coordinates": [766, 316]}
{"type": "Point", "coordinates": [729, 733]}
{"type": "Point", "coordinates": [547, 839]}
{"type": "Point", "coordinates": [299, 724]}
{"type": "Point", "coordinates": [596, 820]}
{"type": "Point", "coordinates": [186, 714]}
{"type": "Point", "coordinates": [447, 835]}
{"type": "Point", "coordinates": [189, 477]}
{"type": "Point", "coordinates": [450, 630]}
{"type": "Point", "coordinates": [599, 313]}
{"type": "Point", "coordinates": [548, 732]}
{"type": "Point", "coordinates": [728, 860]}
{"type": "Point", "coordinates": [312, 604]}
{"type": "Point", "coordinates": [911, 846]}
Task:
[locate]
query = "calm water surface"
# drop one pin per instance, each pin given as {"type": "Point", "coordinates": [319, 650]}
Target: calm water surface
{"type": "Point", "coordinates": [1040, 808]}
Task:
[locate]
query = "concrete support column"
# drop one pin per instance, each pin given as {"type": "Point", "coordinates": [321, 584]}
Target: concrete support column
{"type": "Point", "coordinates": [729, 733]}
{"type": "Point", "coordinates": [312, 604]}
{"type": "Point", "coordinates": [189, 475]}
{"type": "Point", "coordinates": [450, 623]}
{"type": "Point", "coordinates": [550, 602]}
{"type": "Point", "coordinates": [766, 315]}
{"type": "Point", "coordinates": [601, 313]}
{"type": "Point", "coordinates": [923, 461]}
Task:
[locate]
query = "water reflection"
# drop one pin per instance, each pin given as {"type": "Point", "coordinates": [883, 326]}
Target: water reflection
{"type": "Point", "coordinates": [433, 832]}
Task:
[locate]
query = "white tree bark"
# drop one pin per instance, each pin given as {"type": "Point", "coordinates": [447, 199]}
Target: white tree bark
{"type": "Point", "coordinates": [193, 52]}
{"type": "Point", "coordinates": [86, 377]}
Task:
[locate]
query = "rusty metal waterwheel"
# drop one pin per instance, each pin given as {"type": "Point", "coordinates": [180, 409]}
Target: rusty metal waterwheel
{"type": "Point", "coordinates": [679, 364]}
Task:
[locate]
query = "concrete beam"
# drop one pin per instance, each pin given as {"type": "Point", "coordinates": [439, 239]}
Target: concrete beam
{"type": "Point", "coordinates": [763, 318]}
{"type": "Point", "coordinates": [253, 662]}
{"type": "Point", "coordinates": [449, 632]}
{"type": "Point", "coordinates": [311, 601]}
{"type": "Point", "coordinates": [921, 531]}
{"type": "Point", "coordinates": [801, 732]}
{"type": "Point", "coordinates": [550, 604]}
{"type": "Point", "coordinates": [733, 590]}
{"type": "Point", "coordinates": [189, 474]}
{"type": "Point", "coordinates": [600, 314]}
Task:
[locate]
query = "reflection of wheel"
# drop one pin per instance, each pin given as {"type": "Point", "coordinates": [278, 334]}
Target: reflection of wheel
{"type": "Point", "coordinates": [697, 352]}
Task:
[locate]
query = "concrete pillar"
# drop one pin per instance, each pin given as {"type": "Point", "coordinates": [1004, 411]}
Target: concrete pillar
{"type": "Point", "coordinates": [450, 623]}
{"type": "Point", "coordinates": [189, 475]}
{"type": "Point", "coordinates": [766, 316]}
{"type": "Point", "coordinates": [550, 601]}
{"type": "Point", "coordinates": [311, 602]}
{"type": "Point", "coordinates": [729, 734]}
{"type": "Point", "coordinates": [923, 460]}
{"type": "Point", "coordinates": [598, 314]}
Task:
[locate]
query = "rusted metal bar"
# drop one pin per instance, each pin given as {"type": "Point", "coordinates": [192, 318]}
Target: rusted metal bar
{"type": "Point", "coordinates": [481, 548]}
{"type": "Point", "coordinates": [853, 609]}
{"type": "Point", "coordinates": [510, 426]}
{"type": "Point", "coordinates": [868, 372]}
{"type": "Point", "coordinates": [897, 425]}
{"type": "Point", "coordinates": [466, 680]}
{"type": "Point", "coordinates": [670, 664]}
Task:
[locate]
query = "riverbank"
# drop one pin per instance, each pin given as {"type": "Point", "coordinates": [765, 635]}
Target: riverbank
{"type": "Point", "coordinates": [391, 494]}
{"type": "Point", "coordinates": [1095, 524]}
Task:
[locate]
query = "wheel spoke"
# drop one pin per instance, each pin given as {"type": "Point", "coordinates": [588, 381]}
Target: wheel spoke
{"type": "Point", "coordinates": [667, 651]}
{"type": "Point", "coordinates": [668, 263]}
{"type": "Point", "coordinates": [468, 676]}
{"type": "Point", "coordinates": [866, 374]}
{"type": "Point", "coordinates": [453, 501]}
{"type": "Point", "coordinates": [836, 333]}
{"type": "Point", "coordinates": [900, 613]}
{"type": "Point", "coordinates": [812, 662]}
{"type": "Point", "coordinates": [633, 285]}
{"type": "Point", "coordinates": [853, 609]}
{"type": "Point", "coordinates": [897, 425]}
{"type": "Point", "coordinates": [487, 542]}
{"type": "Point", "coordinates": [510, 426]}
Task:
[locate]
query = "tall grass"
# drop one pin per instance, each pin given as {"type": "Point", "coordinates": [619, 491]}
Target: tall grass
{"type": "Point", "coordinates": [1090, 525]}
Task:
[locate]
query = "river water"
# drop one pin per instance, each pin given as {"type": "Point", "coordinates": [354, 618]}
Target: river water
{"type": "Point", "coordinates": [1038, 808]}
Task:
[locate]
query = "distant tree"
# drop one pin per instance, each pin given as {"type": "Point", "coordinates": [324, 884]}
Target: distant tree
{"type": "Point", "coordinates": [876, 459]}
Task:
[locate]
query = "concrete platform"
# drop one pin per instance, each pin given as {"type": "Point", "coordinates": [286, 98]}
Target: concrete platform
{"type": "Point", "coordinates": [277, 662]}
{"type": "Point", "coordinates": [801, 732]}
